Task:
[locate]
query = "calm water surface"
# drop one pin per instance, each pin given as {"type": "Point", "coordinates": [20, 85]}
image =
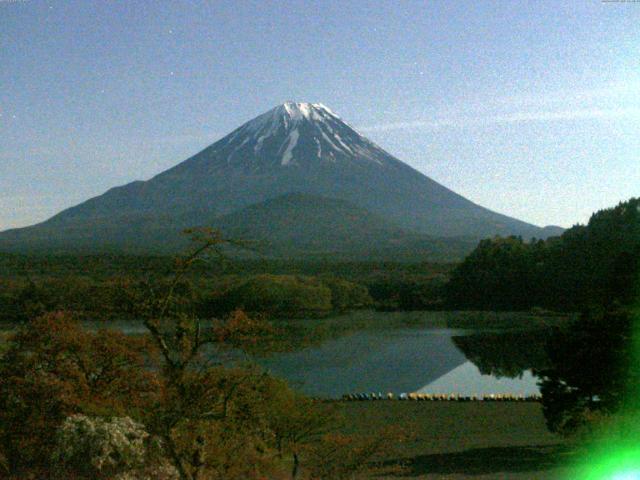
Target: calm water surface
{"type": "Point", "coordinates": [405, 360]}
{"type": "Point", "coordinates": [418, 359]}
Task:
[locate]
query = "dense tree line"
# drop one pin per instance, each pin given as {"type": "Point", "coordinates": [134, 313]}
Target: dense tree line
{"type": "Point", "coordinates": [591, 373]}
{"type": "Point", "coordinates": [105, 266]}
{"type": "Point", "coordinates": [107, 286]}
{"type": "Point", "coordinates": [404, 292]}
{"type": "Point", "coordinates": [588, 265]}
{"type": "Point", "coordinates": [121, 297]}
{"type": "Point", "coordinates": [281, 295]}
{"type": "Point", "coordinates": [290, 296]}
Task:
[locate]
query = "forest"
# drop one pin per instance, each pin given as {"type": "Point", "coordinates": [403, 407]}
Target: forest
{"type": "Point", "coordinates": [76, 403]}
{"type": "Point", "coordinates": [167, 405]}
{"type": "Point", "coordinates": [104, 287]}
{"type": "Point", "coordinates": [592, 265]}
{"type": "Point", "coordinates": [591, 374]}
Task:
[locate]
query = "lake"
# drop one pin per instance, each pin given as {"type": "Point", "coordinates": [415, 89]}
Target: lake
{"type": "Point", "coordinates": [385, 354]}
{"type": "Point", "coordinates": [425, 360]}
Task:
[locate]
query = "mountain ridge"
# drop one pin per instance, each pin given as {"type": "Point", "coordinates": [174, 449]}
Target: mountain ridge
{"type": "Point", "coordinates": [300, 225]}
{"type": "Point", "coordinates": [294, 147]}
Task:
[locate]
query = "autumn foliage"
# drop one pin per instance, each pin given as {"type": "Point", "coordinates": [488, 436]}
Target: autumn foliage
{"type": "Point", "coordinates": [172, 403]}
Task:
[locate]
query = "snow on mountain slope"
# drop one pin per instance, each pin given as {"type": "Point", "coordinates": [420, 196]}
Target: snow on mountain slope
{"type": "Point", "coordinates": [295, 134]}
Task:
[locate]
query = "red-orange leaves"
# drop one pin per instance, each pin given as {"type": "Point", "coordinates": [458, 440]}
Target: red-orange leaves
{"type": "Point", "coordinates": [54, 369]}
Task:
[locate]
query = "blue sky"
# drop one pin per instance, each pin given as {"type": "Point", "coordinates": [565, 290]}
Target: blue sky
{"type": "Point", "coordinates": [529, 108]}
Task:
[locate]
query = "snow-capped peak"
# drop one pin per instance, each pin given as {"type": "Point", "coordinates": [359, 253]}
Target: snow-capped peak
{"type": "Point", "coordinates": [309, 111]}
{"type": "Point", "coordinates": [296, 133]}
{"type": "Point", "coordinates": [291, 113]}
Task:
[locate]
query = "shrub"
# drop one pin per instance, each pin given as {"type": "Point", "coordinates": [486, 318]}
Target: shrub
{"type": "Point", "coordinates": [99, 448]}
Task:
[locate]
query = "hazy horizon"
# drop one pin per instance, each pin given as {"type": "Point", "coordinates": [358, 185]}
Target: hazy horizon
{"type": "Point", "coordinates": [531, 110]}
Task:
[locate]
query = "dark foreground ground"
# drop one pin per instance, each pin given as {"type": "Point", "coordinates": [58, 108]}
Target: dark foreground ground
{"type": "Point", "coordinates": [472, 440]}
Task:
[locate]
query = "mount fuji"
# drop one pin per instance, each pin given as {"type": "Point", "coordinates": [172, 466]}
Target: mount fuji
{"type": "Point", "coordinates": [291, 162]}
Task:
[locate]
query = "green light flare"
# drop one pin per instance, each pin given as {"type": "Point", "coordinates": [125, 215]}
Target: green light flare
{"type": "Point", "coordinates": [623, 464]}
{"type": "Point", "coordinates": [614, 452]}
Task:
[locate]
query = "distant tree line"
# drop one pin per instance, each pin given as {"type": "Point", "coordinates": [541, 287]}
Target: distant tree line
{"type": "Point", "coordinates": [118, 296]}
{"type": "Point", "coordinates": [283, 296]}
{"type": "Point", "coordinates": [100, 266]}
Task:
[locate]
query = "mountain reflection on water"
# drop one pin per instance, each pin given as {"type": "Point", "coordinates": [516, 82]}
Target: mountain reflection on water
{"type": "Point", "coordinates": [467, 380]}
{"type": "Point", "coordinates": [429, 360]}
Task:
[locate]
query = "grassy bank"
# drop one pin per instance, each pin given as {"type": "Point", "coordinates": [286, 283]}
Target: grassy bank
{"type": "Point", "coordinates": [467, 440]}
